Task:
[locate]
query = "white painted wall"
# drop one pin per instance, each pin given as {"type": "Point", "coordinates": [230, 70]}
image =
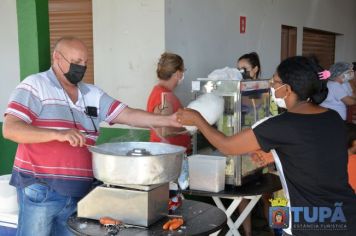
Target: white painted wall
{"type": "Point", "coordinates": [9, 52]}
{"type": "Point", "coordinates": [130, 35]}
{"type": "Point", "coordinates": [128, 41]}
{"type": "Point", "coordinates": [206, 32]}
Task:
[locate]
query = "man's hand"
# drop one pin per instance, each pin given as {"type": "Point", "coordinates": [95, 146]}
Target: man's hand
{"type": "Point", "coordinates": [188, 116]}
{"type": "Point", "coordinates": [73, 136]}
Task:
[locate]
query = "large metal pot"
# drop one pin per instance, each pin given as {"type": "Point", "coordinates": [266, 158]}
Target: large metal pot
{"type": "Point", "coordinates": [136, 163]}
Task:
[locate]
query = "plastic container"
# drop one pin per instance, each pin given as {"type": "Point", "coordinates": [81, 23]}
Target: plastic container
{"type": "Point", "coordinates": [8, 196]}
{"type": "Point", "coordinates": [207, 173]}
{"type": "Point", "coordinates": [8, 224]}
{"type": "Point", "coordinates": [183, 179]}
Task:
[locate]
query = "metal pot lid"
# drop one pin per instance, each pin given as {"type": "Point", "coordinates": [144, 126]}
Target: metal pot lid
{"type": "Point", "coordinates": [125, 148]}
{"type": "Point", "coordinates": [138, 152]}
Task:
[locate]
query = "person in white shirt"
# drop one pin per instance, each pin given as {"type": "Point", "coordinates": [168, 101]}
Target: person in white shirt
{"type": "Point", "coordinates": [340, 93]}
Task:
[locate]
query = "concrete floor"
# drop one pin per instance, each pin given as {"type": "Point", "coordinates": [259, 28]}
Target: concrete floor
{"type": "Point", "coordinates": [259, 228]}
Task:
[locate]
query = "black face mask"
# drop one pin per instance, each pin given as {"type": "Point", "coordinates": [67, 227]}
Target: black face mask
{"type": "Point", "coordinates": [76, 73]}
{"type": "Point", "coordinates": [245, 74]}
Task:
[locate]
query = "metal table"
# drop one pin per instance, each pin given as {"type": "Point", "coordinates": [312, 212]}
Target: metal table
{"type": "Point", "coordinates": [253, 191]}
{"type": "Point", "coordinates": [199, 219]}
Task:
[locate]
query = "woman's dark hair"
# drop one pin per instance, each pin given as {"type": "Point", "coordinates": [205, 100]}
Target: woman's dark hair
{"type": "Point", "coordinates": [254, 60]}
{"type": "Point", "coordinates": [168, 64]}
{"type": "Point", "coordinates": [301, 74]}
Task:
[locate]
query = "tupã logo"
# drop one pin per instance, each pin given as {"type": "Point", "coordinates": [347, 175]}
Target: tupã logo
{"type": "Point", "coordinates": [279, 213]}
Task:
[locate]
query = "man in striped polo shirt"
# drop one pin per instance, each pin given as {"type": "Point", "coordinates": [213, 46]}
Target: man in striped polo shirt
{"type": "Point", "coordinates": [52, 115]}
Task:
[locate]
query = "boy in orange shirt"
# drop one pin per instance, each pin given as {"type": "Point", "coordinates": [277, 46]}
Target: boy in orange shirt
{"type": "Point", "coordinates": [351, 142]}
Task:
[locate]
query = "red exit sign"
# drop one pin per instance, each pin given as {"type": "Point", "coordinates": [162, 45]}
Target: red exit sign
{"type": "Point", "coordinates": [242, 24]}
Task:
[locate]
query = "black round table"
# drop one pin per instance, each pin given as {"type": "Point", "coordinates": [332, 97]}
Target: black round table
{"type": "Point", "coordinates": [199, 219]}
{"type": "Point", "coordinates": [267, 183]}
{"type": "Point", "coordinates": [253, 190]}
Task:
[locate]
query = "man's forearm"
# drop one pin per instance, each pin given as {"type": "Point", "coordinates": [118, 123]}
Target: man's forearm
{"type": "Point", "coordinates": [140, 118]}
{"type": "Point", "coordinates": [21, 132]}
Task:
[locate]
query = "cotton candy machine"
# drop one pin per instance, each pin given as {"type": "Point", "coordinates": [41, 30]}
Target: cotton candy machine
{"type": "Point", "coordinates": [136, 177]}
{"type": "Point", "coordinates": [245, 103]}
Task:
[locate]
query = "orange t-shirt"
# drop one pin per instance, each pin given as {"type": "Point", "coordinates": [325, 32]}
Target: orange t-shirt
{"type": "Point", "coordinates": [154, 100]}
{"type": "Point", "coordinates": [351, 169]}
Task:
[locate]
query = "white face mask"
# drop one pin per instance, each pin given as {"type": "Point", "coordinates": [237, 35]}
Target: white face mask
{"type": "Point", "coordinates": [347, 77]}
{"type": "Point", "coordinates": [181, 80]}
{"type": "Point", "coordinates": [279, 101]}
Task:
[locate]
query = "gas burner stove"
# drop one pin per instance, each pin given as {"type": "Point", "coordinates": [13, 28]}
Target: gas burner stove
{"type": "Point", "coordinates": [136, 177]}
{"type": "Point", "coordinates": [140, 205]}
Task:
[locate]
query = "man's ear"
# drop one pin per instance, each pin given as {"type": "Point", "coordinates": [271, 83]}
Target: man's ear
{"type": "Point", "coordinates": [55, 55]}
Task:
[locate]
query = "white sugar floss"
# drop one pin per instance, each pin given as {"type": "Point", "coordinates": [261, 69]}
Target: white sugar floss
{"type": "Point", "coordinates": [210, 106]}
